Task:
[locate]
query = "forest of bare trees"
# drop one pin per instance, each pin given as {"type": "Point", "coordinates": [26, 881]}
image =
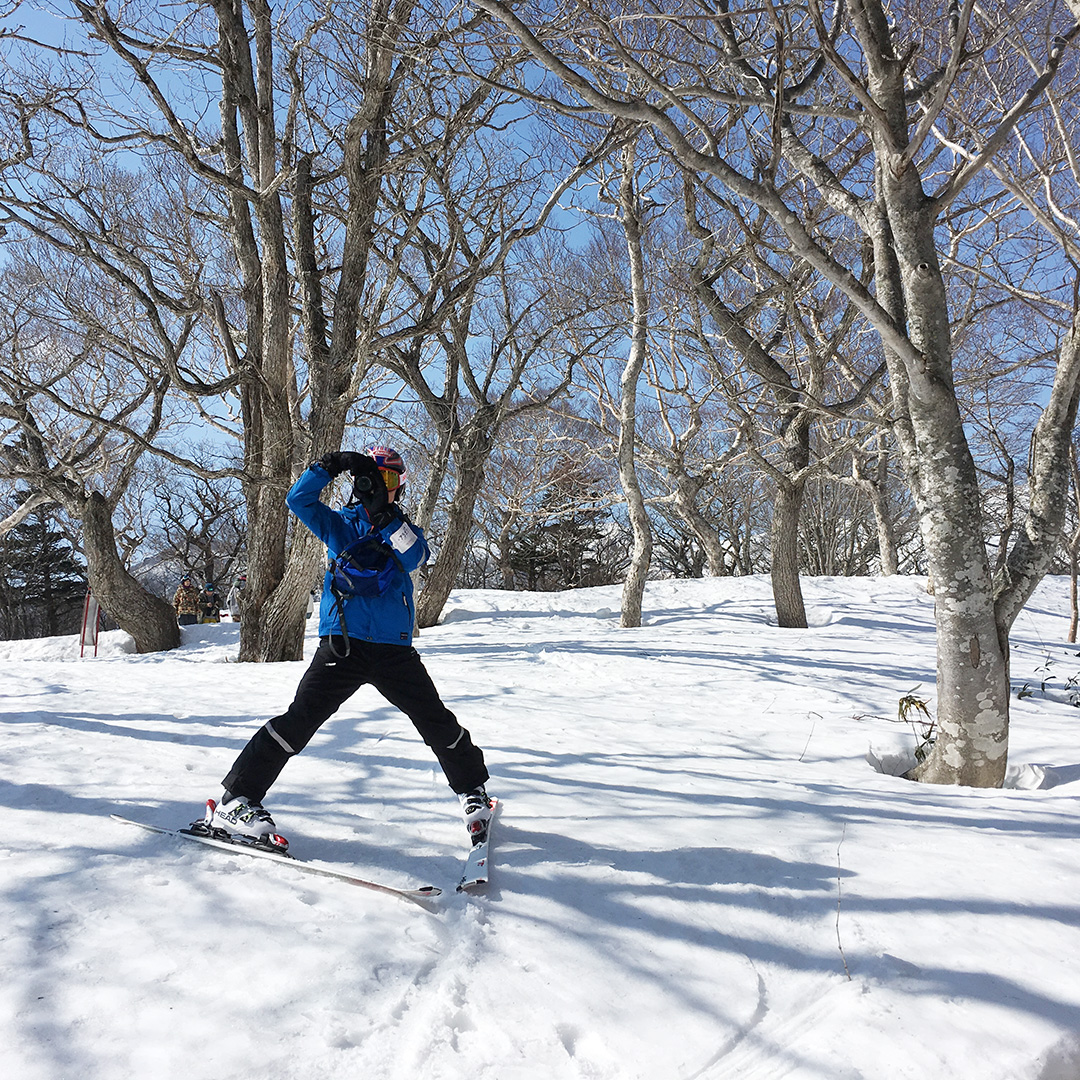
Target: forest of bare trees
{"type": "Point", "coordinates": [637, 290]}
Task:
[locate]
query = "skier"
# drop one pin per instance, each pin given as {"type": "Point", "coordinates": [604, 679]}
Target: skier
{"type": "Point", "coordinates": [363, 639]}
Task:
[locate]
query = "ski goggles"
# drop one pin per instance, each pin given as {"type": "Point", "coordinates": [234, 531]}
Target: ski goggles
{"type": "Point", "coordinates": [391, 479]}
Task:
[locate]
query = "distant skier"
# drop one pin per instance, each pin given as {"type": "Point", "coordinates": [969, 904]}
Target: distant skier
{"type": "Point", "coordinates": [363, 639]}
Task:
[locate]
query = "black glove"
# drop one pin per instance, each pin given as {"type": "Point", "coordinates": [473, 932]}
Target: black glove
{"type": "Point", "coordinates": [343, 461]}
{"type": "Point", "coordinates": [381, 518]}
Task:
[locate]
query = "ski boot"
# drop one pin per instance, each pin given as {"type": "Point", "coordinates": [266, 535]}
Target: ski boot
{"type": "Point", "coordinates": [237, 820]}
{"type": "Point", "coordinates": [476, 806]}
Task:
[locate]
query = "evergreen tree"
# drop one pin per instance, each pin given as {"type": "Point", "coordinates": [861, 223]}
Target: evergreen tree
{"type": "Point", "coordinates": [570, 544]}
{"type": "Point", "coordinates": [42, 586]}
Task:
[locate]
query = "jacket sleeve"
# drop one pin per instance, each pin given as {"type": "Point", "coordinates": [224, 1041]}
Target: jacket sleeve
{"type": "Point", "coordinates": [303, 500]}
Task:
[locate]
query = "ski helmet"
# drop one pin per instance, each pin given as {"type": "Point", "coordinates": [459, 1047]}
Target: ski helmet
{"type": "Point", "coordinates": [391, 466]}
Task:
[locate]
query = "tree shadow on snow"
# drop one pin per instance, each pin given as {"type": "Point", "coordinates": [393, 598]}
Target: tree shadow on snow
{"type": "Point", "coordinates": [718, 896]}
{"type": "Point", "coordinates": [160, 727]}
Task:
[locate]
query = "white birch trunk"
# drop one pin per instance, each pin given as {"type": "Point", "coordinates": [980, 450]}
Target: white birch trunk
{"type": "Point", "coordinates": [641, 556]}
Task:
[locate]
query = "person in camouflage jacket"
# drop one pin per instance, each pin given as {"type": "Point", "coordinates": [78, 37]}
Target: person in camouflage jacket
{"type": "Point", "coordinates": [186, 602]}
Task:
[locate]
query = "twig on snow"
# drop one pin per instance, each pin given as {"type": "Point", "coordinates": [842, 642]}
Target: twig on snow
{"type": "Point", "coordinates": [839, 899]}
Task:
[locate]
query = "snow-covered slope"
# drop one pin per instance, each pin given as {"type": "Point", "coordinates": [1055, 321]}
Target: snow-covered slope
{"type": "Point", "coordinates": [698, 873]}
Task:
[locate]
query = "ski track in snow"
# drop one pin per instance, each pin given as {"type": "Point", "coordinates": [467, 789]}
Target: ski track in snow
{"type": "Point", "coordinates": [689, 823]}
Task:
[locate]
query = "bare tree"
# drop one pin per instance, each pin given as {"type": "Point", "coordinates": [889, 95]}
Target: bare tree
{"type": "Point", "coordinates": [871, 473]}
{"type": "Point", "coordinates": [534, 447]}
{"type": "Point", "coordinates": [505, 345]}
{"type": "Point", "coordinates": [632, 218]}
{"type": "Point", "coordinates": [283, 133]}
{"type": "Point", "coordinates": [88, 464]}
{"type": "Point", "coordinates": [885, 77]}
{"type": "Point", "coordinates": [687, 443]}
{"type": "Point", "coordinates": [524, 367]}
{"type": "Point", "coordinates": [792, 338]}
{"type": "Point", "coordinates": [1073, 542]}
{"type": "Point", "coordinates": [196, 523]}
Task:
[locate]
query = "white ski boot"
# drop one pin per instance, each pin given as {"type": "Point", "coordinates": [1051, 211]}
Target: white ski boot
{"type": "Point", "coordinates": [243, 821]}
{"type": "Point", "coordinates": [476, 806]}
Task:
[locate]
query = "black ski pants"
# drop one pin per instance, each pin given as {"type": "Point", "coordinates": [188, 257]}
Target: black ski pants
{"type": "Point", "coordinates": [398, 673]}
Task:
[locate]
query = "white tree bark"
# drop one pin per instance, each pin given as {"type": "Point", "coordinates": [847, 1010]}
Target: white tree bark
{"type": "Point", "coordinates": [641, 554]}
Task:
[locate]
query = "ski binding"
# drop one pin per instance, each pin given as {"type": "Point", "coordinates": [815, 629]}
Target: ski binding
{"type": "Point", "coordinates": [475, 873]}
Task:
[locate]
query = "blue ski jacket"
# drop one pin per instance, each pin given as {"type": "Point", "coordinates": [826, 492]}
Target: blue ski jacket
{"type": "Point", "coordinates": [386, 619]}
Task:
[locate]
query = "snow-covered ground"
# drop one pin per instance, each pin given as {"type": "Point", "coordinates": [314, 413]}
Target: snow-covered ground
{"type": "Point", "coordinates": [697, 871]}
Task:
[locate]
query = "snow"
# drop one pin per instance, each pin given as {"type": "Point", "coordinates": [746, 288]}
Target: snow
{"type": "Point", "coordinates": [697, 871]}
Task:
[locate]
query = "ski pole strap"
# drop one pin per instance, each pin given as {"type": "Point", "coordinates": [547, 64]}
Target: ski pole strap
{"type": "Point", "coordinates": [340, 605]}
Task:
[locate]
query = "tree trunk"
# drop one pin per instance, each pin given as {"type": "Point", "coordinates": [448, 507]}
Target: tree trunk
{"type": "Point", "coordinates": [442, 576]}
{"type": "Point", "coordinates": [703, 531]}
{"type": "Point", "coordinates": [886, 531]}
{"type": "Point", "coordinates": [786, 584]}
{"type": "Point", "coordinates": [796, 422]}
{"type": "Point", "coordinates": [1074, 564]}
{"type": "Point", "coordinates": [641, 556]}
{"type": "Point", "coordinates": [284, 614]}
{"type": "Point", "coordinates": [972, 653]}
{"type": "Point", "coordinates": [505, 569]}
{"type": "Point", "coordinates": [876, 487]}
{"type": "Point", "coordinates": [273, 624]}
{"type": "Point", "coordinates": [440, 465]}
{"type": "Point", "coordinates": [787, 510]}
{"type": "Point", "coordinates": [266, 637]}
{"type": "Point", "coordinates": [1074, 546]}
{"type": "Point", "coordinates": [1036, 541]}
{"type": "Point", "coordinates": [147, 618]}
{"type": "Point", "coordinates": [972, 649]}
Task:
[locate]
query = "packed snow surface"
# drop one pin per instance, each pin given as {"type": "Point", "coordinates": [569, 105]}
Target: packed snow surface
{"type": "Point", "coordinates": [705, 865]}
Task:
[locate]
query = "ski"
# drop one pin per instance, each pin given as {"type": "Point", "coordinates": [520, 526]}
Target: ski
{"type": "Point", "coordinates": [476, 864]}
{"type": "Point", "coordinates": [417, 896]}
